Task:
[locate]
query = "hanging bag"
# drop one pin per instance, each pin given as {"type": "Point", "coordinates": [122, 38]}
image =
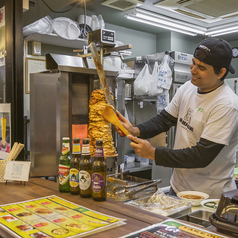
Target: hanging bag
{"type": "Point", "coordinates": [165, 73]}
{"type": "Point", "coordinates": [142, 82]}
{"type": "Point", "coordinates": [154, 89]}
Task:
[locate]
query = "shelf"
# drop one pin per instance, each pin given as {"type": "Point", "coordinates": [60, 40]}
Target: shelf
{"type": "Point", "coordinates": [145, 98]}
{"type": "Point", "coordinates": [136, 166]}
{"type": "Point", "coordinates": [53, 39]}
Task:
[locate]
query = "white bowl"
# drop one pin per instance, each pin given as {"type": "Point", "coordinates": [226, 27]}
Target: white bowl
{"type": "Point", "coordinates": [195, 201]}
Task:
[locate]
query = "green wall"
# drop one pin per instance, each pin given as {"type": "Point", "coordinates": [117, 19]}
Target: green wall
{"type": "Point", "coordinates": [142, 43]}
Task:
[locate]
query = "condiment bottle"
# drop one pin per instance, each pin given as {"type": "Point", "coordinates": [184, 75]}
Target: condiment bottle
{"type": "Point", "coordinates": [74, 167]}
{"type": "Point", "coordinates": [85, 171]}
{"type": "Point", "coordinates": [99, 173]}
{"type": "Point", "coordinates": [64, 166]}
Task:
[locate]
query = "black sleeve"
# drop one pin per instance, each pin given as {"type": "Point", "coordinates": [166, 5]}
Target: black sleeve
{"type": "Point", "coordinates": [156, 125]}
{"type": "Point", "coordinates": [198, 156]}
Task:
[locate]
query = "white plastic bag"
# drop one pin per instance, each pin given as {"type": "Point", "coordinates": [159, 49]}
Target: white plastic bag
{"type": "Point", "coordinates": [154, 89]}
{"type": "Point", "coordinates": [142, 82]}
{"type": "Point", "coordinates": [165, 73]}
{"type": "Point", "coordinates": [162, 100]}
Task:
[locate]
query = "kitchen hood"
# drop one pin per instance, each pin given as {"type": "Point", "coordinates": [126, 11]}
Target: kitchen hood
{"type": "Point", "coordinates": [208, 11]}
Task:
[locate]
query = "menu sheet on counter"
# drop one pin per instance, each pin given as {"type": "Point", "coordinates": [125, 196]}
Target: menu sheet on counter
{"type": "Point", "coordinates": [53, 217]}
{"type": "Point", "coordinates": [172, 229]}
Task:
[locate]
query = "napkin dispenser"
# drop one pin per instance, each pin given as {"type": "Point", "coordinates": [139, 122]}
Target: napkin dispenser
{"type": "Point", "coordinates": [225, 219]}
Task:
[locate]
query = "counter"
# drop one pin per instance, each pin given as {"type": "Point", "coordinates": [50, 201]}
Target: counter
{"type": "Point", "coordinates": [136, 219]}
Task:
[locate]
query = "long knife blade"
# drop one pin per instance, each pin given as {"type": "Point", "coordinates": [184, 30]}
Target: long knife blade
{"type": "Point", "coordinates": [101, 75]}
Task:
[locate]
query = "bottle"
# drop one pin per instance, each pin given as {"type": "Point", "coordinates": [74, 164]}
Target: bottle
{"type": "Point", "coordinates": [85, 171]}
{"type": "Point", "coordinates": [74, 167]}
{"type": "Point", "coordinates": [99, 173]}
{"type": "Point", "coordinates": [64, 166]}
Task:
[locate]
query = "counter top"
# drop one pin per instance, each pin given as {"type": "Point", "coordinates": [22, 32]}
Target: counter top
{"type": "Point", "coordinates": [136, 219]}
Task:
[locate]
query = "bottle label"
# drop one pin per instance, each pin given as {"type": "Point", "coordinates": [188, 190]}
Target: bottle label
{"type": "Point", "coordinates": [99, 152]}
{"type": "Point", "coordinates": [97, 182]}
{"type": "Point", "coordinates": [76, 149]}
{"type": "Point", "coordinates": [85, 150]}
{"type": "Point", "coordinates": [65, 148]}
{"type": "Point", "coordinates": [63, 174]}
{"type": "Point", "coordinates": [84, 179]}
{"type": "Point", "coordinates": [74, 178]}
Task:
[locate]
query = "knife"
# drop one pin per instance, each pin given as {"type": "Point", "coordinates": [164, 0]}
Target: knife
{"type": "Point", "coordinates": [102, 75]}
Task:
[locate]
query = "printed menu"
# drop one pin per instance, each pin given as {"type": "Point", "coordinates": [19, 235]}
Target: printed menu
{"type": "Point", "coordinates": [172, 229]}
{"type": "Point", "coordinates": [53, 216]}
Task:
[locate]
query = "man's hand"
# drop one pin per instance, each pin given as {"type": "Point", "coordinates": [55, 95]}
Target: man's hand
{"type": "Point", "coordinates": [143, 148]}
{"type": "Point", "coordinates": [128, 126]}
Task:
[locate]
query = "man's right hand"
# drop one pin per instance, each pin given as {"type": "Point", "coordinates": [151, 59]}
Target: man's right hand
{"type": "Point", "coordinates": [128, 126]}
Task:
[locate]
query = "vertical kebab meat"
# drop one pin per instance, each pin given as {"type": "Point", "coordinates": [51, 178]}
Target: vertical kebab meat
{"type": "Point", "coordinates": [99, 128]}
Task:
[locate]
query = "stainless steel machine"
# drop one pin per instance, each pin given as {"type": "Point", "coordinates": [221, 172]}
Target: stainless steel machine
{"type": "Point", "coordinates": [59, 99]}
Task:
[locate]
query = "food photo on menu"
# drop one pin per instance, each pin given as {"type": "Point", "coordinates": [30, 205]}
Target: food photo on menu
{"type": "Point", "coordinates": [53, 217]}
{"type": "Point", "coordinates": [40, 235]}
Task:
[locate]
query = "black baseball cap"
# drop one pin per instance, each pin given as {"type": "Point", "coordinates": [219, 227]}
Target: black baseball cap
{"type": "Point", "coordinates": [215, 52]}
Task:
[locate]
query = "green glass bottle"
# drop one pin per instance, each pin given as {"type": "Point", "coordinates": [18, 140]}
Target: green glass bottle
{"type": "Point", "coordinates": [74, 167]}
{"type": "Point", "coordinates": [85, 171]}
{"type": "Point", "coordinates": [99, 174]}
{"type": "Point", "coordinates": [64, 166]}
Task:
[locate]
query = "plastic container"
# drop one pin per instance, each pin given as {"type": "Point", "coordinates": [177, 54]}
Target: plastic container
{"type": "Point", "coordinates": [128, 159]}
{"type": "Point", "coordinates": [226, 216]}
{"type": "Point", "coordinates": [81, 20]}
{"type": "Point", "coordinates": [144, 161]}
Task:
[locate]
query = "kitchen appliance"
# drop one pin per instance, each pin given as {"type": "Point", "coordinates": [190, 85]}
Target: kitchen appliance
{"type": "Point", "coordinates": [226, 216]}
{"type": "Point", "coordinates": [103, 37]}
{"type": "Point", "coordinates": [59, 100]}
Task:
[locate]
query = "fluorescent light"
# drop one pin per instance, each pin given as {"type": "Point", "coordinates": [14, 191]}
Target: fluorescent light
{"type": "Point", "coordinates": [163, 22]}
{"type": "Point", "coordinates": [171, 24]}
{"type": "Point", "coordinates": [223, 31]}
{"type": "Point", "coordinates": [159, 25]}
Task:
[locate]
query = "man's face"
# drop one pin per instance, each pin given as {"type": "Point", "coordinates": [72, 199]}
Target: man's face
{"type": "Point", "coordinates": [204, 77]}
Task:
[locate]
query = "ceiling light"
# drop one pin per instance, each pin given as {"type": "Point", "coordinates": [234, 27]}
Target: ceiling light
{"type": "Point", "coordinates": [159, 25]}
{"type": "Point", "coordinates": [223, 31]}
{"type": "Point", "coordinates": [164, 22]}
{"type": "Point", "coordinates": [171, 24]}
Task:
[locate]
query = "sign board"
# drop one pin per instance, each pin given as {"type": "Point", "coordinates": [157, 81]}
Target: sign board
{"type": "Point", "coordinates": [17, 170]}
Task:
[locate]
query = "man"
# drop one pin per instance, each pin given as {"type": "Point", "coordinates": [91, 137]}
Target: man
{"type": "Point", "coordinates": [205, 111]}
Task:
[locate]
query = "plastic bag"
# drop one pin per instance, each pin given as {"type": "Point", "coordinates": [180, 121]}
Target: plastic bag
{"type": "Point", "coordinates": [142, 81]}
{"type": "Point", "coordinates": [154, 89]}
{"type": "Point", "coordinates": [165, 73]}
{"type": "Point", "coordinates": [162, 101]}
{"type": "Point", "coordinates": [42, 26]}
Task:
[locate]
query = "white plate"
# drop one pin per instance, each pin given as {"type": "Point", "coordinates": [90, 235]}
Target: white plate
{"type": "Point", "coordinates": [208, 204]}
{"type": "Point", "coordinates": [66, 28]}
{"type": "Point", "coordinates": [194, 202]}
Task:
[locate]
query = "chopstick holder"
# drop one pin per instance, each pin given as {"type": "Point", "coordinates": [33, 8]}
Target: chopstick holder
{"type": "Point", "coordinates": [12, 151]}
